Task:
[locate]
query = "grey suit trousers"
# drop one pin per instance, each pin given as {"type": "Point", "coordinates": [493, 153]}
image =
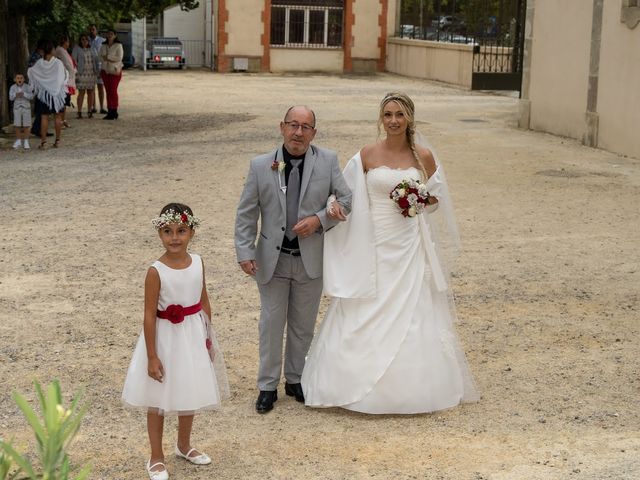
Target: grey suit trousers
{"type": "Point", "coordinates": [291, 297]}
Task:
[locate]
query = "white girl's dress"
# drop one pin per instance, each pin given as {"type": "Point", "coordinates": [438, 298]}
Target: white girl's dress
{"type": "Point", "coordinates": [387, 343]}
{"type": "Point", "coordinates": [192, 381]}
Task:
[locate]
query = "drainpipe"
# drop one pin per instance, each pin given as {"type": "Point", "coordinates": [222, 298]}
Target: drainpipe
{"type": "Point", "coordinates": [214, 33]}
{"type": "Point", "coordinates": [144, 43]}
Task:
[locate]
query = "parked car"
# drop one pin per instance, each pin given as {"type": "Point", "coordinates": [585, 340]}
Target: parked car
{"type": "Point", "coordinates": [447, 22]}
{"type": "Point", "coordinates": [412, 31]}
{"type": "Point", "coordinates": [165, 52]}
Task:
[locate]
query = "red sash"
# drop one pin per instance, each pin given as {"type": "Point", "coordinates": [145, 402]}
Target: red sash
{"type": "Point", "coordinates": [176, 313]}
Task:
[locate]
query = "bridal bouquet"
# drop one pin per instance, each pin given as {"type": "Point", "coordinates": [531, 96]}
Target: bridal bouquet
{"type": "Point", "coordinates": [411, 197]}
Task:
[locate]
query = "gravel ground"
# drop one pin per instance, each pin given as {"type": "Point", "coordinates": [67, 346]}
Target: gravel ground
{"type": "Point", "coordinates": [546, 285]}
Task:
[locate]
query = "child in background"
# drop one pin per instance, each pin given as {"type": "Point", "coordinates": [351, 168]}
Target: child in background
{"type": "Point", "coordinates": [21, 94]}
{"type": "Point", "coordinates": [176, 366]}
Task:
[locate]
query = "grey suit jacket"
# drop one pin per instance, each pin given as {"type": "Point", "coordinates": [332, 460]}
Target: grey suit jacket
{"type": "Point", "coordinates": [264, 199]}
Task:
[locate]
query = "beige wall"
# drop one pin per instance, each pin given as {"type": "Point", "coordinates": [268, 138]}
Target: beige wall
{"type": "Point", "coordinates": [560, 66]}
{"type": "Point", "coordinates": [619, 85]}
{"type": "Point", "coordinates": [559, 75]}
{"type": "Point", "coordinates": [366, 29]}
{"type": "Point", "coordinates": [444, 62]}
{"type": "Point", "coordinates": [392, 16]}
{"type": "Point", "coordinates": [244, 28]}
{"type": "Point", "coordinates": [306, 60]}
{"type": "Point", "coordinates": [184, 25]}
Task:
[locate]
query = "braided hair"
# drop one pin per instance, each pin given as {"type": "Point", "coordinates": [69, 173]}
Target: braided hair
{"type": "Point", "coordinates": [408, 109]}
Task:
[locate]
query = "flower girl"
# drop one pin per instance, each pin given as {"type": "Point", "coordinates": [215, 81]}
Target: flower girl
{"type": "Point", "coordinates": [176, 366]}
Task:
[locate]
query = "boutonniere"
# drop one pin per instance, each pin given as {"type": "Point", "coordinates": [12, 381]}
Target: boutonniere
{"type": "Point", "coordinates": [278, 165]}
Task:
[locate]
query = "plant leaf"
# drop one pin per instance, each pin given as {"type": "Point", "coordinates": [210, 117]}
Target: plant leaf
{"type": "Point", "coordinates": [84, 473]}
{"type": "Point", "coordinates": [31, 417]}
{"type": "Point", "coordinates": [22, 462]}
{"type": "Point", "coordinates": [40, 394]}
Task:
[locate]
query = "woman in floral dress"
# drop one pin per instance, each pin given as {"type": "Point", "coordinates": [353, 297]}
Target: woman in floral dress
{"type": "Point", "coordinates": [87, 60]}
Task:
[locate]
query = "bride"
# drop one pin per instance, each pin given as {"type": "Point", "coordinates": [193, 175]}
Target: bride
{"type": "Point", "coordinates": [387, 343]}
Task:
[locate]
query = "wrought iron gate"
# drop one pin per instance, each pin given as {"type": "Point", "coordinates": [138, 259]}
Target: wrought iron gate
{"type": "Point", "coordinates": [499, 47]}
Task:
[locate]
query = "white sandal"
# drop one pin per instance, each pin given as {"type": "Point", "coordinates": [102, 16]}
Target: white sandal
{"type": "Point", "coordinates": [201, 459]}
{"type": "Point", "coordinates": [159, 474]}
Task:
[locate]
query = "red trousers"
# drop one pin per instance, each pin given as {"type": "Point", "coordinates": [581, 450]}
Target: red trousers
{"type": "Point", "coordinates": [111, 83]}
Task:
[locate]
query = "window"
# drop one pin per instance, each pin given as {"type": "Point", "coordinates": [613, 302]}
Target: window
{"type": "Point", "coordinates": [307, 23]}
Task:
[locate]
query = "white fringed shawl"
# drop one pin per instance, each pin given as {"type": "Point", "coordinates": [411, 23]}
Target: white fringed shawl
{"type": "Point", "coordinates": [48, 79]}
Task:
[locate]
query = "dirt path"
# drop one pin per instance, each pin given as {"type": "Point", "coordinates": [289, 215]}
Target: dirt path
{"type": "Point", "coordinates": [546, 286]}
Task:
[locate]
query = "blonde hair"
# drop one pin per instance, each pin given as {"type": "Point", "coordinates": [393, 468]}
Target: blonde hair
{"type": "Point", "coordinates": [408, 109]}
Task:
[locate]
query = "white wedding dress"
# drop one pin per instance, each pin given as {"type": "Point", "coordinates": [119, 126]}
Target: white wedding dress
{"type": "Point", "coordinates": [395, 351]}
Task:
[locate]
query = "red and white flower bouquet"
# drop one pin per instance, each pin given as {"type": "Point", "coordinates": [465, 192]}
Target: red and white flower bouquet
{"type": "Point", "coordinates": [411, 197]}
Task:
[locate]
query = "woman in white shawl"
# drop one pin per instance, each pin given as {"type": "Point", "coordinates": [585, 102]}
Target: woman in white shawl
{"type": "Point", "coordinates": [48, 77]}
{"type": "Point", "coordinates": [387, 343]}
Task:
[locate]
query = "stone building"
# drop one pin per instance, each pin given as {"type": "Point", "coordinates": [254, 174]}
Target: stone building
{"type": "Point", "coordinates": [303, 35]}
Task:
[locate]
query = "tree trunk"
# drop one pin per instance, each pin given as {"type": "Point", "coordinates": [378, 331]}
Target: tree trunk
{"type": "Point", "coordinates": [4, 89]}
{"type": "Point", "coordinates": [18, 44]}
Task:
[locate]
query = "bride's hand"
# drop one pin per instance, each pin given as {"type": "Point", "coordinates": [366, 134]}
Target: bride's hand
{"type": "Point", "coordinates": [335, 211]}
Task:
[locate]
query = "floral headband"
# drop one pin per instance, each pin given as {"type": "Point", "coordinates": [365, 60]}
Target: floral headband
{"type": "Point", "coordinates": [171, 216]}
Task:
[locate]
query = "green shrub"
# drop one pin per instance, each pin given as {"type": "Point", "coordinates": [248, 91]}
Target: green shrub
{"type": "Point", "coordinates": [54, 433]}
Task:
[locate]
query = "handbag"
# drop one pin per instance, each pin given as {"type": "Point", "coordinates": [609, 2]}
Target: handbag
{"type": "Point", "coordinates": [112, 68]}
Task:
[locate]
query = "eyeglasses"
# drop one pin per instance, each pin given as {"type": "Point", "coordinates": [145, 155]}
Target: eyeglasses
{"type": "Point", "coordinates": [294, 126]}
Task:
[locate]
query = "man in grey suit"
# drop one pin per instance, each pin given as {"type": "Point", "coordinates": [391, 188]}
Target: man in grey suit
{"type": "Point", "coordinates": [287, 191]}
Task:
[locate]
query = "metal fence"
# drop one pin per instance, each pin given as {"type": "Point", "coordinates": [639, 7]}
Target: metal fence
{"type": "Point", "coordinates": [495, 29]}
{"type": "Point", "coordinates": [198, 53]}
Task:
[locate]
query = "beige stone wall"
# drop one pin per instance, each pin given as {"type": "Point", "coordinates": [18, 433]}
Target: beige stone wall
{"type": "Point", "coordinates": [444, 62]}
{"type": "Point", "coordinates": [244, 28]}
{"type": "Point", "coordinates": [559, 75]}
{"type": "Point", "coordinates": [560, 66]}
{"type": "Point", "coordinates": [306, 60]}
{"type": "Point", "coordinates": [619, 85]}
{"type": "Point", "coordinates": [366, 29]}
{"type": "Point", "coordinates": [392, 17]}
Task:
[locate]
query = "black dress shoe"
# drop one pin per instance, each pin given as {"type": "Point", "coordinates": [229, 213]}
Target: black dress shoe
{"type": "Point", "coordinates": [265, 401]}
{"type": "Point", "coordinates": [294, 390]}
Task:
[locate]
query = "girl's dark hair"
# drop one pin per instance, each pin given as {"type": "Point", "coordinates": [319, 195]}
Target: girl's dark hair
{"type": "Point", "coordinates": [62, 38]}
{"type": "Point", "coordinates": [47, 47]}
{"type": "Point", "coordinates": [177, 208]}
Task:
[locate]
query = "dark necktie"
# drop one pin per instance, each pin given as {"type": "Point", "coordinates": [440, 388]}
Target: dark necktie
{"type": "Point", "coordinates": [293, 194]}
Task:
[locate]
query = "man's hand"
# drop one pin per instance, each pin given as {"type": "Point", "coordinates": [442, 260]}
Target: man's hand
{"type": "Point", "coordinates": [249, 267]}
{"type": "Point", "coordinates": [307, 226]}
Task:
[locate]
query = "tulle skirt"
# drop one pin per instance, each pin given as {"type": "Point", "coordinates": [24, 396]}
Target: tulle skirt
{"type": "Point", "coordinates": [192, 381]}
